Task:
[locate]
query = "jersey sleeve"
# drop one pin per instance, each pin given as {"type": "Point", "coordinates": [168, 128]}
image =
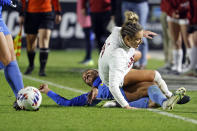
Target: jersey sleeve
{"type": "Point", "coordinates": [76, 101]}
{"type": "Point", "coordinates": [56, 6]}
{"type": "Point", "coordinates": [116, 75]}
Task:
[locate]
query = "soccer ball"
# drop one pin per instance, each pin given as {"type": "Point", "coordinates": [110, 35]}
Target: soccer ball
{"type": "Point", "coordinates": [29, 98]}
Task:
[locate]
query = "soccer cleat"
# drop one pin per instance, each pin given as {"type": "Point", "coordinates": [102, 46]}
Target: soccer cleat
{"type": "Point", "coordinates": [88, 62]}
{"type": "Point", "coordinates": [185, 99]}
{"type": "Point", "coordinates": [42, 73]}
{"type": "Point", "coordinates": [110, 104]}
{"type": "Point", "coordinates": [16, 106]}
{"type": "Point", "coordinates": [169, 104]}
{"type": "Point", "coordinates": [29, 70]}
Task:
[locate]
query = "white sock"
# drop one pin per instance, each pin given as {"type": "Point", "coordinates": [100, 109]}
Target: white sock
{"type": "Point", "coordinates": [174, 57]}
{"type": "Point", "coordinates": [189, 53]}
{"type": "Point", "coordinates": [179, 59]}
{"type": "Point", "coordinates": [162, 84]}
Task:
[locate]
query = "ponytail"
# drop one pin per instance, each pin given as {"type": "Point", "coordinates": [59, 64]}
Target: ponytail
{"type": "Point", "coordinates": [131, 25]}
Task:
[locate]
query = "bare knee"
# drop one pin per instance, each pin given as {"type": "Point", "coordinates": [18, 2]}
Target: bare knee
{"type": "Point", "coordinates": [6, 60]}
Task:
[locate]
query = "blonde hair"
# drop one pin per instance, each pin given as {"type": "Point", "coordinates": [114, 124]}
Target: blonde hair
{"type": "Point", "coordinates": [131, 25]}
{"type": "Point", "coordinates": [131, 16]}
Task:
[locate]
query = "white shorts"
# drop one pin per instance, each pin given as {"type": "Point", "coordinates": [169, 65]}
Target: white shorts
{"type": "Point", "coordinates": [178, 21]}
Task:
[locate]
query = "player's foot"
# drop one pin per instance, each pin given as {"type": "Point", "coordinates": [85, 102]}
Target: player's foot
{"type": "Point", "coordinates": [16, 106]}
{"type": "Point", "coordinates": [29, 70]}
{"type": "Point", "coordinates": [110, 104]}
{"type": "Point", "coordinates": [42, 73]}
{"type": "Point", "coordinates": [169, 104]}
{"type": "Point", "coordinates": [88, 62]}
{"type": "Point", "coordinates": [185, 99]}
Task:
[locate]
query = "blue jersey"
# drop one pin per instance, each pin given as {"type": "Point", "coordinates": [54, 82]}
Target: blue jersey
{"type": "Point", "coordinates": [103, 93]}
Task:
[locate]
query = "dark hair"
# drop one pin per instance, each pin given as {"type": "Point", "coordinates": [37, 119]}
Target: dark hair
{"type": "Point", "coordinates": [131, 25]}
{"type": "Point", "coordinates": [94, 72]}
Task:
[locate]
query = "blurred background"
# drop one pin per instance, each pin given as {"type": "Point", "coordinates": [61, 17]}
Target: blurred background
{"type": "Point", "coordinates": [69, 34]}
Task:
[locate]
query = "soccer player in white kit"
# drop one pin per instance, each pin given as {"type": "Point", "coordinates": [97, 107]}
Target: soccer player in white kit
{"type": "Point", "coordinates": [117, 57]}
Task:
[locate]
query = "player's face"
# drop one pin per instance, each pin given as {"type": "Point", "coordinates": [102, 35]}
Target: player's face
{"type": "Point", "coordinates": [135, 41]}
{"type": "Point", "coordinates": [89, 77]}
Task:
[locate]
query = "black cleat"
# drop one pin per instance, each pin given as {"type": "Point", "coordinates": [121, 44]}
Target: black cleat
{"type": "Point", "coordinates": [29, 70]}
{"type": "Point", "coordinates": [42, 73]}
{"type": "Point", "coordinates": [16, 106]}
{"type": "Point", "coordinates": [184, 100]}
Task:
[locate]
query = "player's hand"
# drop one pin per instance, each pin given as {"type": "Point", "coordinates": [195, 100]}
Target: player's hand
{"type": "Point", "coordinates": [84, 12]}
{"type": "Point", "coordinates": [58, 19]}
{"type": "Point", "coordinates": [92, 95]}
{"type": "Point", "coordinates": [44, 88]}
{"type": "Point", "coordinates": [175, 14]}
{"type": "Point", "coordinates": [149, 34]}
{"type": "Point", "coordinates": [129, 107]}
{"type": "Point", "coordinates": [21, 20]}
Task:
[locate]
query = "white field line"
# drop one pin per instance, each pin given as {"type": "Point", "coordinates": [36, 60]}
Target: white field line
{"type": "Point", "coordinates": [174, 116]}
{"type": "Point", "coordinates": [53, 84]}
{"type": "Point", "coordinates": [80, 91]}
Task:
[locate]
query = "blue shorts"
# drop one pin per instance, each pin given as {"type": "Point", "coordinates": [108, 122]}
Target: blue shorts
{"type": "Point", "coordinates": [3, 27]}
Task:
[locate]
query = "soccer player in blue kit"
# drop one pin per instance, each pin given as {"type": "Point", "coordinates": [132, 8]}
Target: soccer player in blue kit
{"type": "Point", "coordinates": [7, 56]}
{"type": "Point", "coordinates": [145, 95]}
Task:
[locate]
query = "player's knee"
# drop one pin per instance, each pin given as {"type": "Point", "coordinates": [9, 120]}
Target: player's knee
{"type": "Point", "coordinates": [6, 60]}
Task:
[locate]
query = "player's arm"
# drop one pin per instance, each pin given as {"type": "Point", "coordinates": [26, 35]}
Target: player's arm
{"type": "Point", "coordinates": [149, 34]}
{"type": "Point", "coordinates": [137, 55]}
{"type": "Point", "coordinates": [62, 101]}
{"type": "Point", "coordinates": [57, 9]}
{"type": "Point", "coordinates": [116, 76]}
{"type": "Point", "coordinates": [84, 7]}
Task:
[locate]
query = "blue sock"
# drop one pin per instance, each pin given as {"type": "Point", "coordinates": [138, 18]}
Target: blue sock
{"type": "Point", "coordinates": [140, 103]}
{"type": "Point", "coordinates": [156, 95]}
{"type": "Point", "coordinates": [1, 65]}
{"type": "Point", "coordinates": [14, 77]}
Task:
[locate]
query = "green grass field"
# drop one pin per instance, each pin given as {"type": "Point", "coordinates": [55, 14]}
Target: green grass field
{"type": "Point", "coordinates": [63, 70]}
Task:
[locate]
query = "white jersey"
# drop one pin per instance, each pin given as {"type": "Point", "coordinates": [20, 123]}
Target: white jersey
{"type": "Point", "coordinates": [115, 61]}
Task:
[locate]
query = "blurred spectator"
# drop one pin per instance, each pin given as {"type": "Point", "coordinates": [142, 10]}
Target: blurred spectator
{"type": "Point", "coordinates": [100, 11]}
{"type": "Point", "coordinates": [177, 24]}
{"type": "Point", "coordinates": [167, 46]}
{"type": "Point", "coordinates": [38, 22]}
{"type": "Point", "coordinates": [141, 8]}
{"type": "Point", "coordinates": [116, 10]}
{"type": "Point", "coordinates": [85, 23]}
{"type": "Point", "coordinates": [192, 16]}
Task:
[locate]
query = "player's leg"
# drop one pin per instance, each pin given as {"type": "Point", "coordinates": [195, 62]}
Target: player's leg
{"type": "Point", "coordinates": [8, 59]}
{"type": "Point", "coordinates": [31, 40]}
{"type": "Point", "coordinates": [45, 27]}
{"type": "Point", "coordinates": [44, 37]}
{"type": "Point", "coordinates": [159, 98]}
{"type": "Point", "coordinates": [31, 29]}
{"type": "Point", "coordinates": [135, 76]}
{"type": "Point", "coordinates": [12, 71]}
{"type": "Point", "coordinates": [137, 91]}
